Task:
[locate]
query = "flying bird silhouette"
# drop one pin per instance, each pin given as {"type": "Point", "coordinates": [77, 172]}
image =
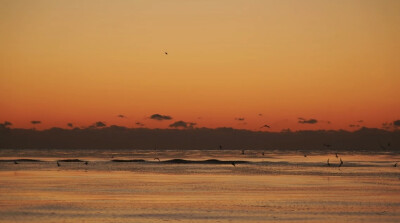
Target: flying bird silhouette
{"type": "Point", "coordinates": [166, 53]}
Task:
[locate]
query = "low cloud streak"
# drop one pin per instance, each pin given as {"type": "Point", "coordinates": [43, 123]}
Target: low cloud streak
{"type": "Point", "coordinates": [307, 121]}
{"type": "Point", "coordinates": [182, 124]}
{"type": "Point", "coordinates": [159, 117]}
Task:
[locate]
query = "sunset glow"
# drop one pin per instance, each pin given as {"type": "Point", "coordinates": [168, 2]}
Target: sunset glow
{"type": "Point", "coordinates": [85, 61]}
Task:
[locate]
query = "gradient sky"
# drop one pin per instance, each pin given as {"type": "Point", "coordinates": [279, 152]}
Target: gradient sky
{"type": "Point", "coordinates": [87, 61]}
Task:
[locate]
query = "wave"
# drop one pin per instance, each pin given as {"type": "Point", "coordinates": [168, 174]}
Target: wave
{"type": "Point", "coordinates": [133, 161]}
{"type": "Point", "coordinates": [21, 160]}
{"type": "Point", "coordinates": [217, 162]}
{"type": "Point", "coordinates": [209, 161]}
{"type": "Point", "coordinates": [70, 160]}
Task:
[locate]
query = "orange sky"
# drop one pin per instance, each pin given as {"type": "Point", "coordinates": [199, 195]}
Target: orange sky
{"type": "Point", "coordinates": [87, 61]}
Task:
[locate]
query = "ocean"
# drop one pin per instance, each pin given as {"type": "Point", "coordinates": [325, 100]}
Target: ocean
{"type": "Point", "coordinates": [198, 186]}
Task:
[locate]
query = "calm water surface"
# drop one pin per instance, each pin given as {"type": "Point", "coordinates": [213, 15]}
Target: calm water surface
{"type": "Point", "coordinates": [274, 187]}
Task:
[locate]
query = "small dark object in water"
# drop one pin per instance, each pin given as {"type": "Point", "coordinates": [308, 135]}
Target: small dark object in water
{"type": "Point", "coordinates": [58, 164]}
{"type": "Point", "coordinates": [263, 153]}
{"type": "Point", "coordinates": [15, 162]}
{"type": "Point", "coordinates": [337, 156]}
{"type": "Point", "coordinates": [305, 155]}
{"type": "Point", "coordinates": [328, 163]}
{"type": "Point", "coordinates": [233, 163]}
{"type": "Point", "coordinates": [243, 152]}
{"type": "Point", "coordinates": [341, 162]}
{"type": "Point", "coordinates": [86, 163]}
{"type": "Point", "coordinates": [395, 165]}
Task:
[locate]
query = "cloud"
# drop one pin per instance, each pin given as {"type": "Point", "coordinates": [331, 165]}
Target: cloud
{"type": "Point", "coordinates": [36, 122]}
{"type": "Point", "coordinates": [396, 123]}
{"type": "Point", "coordinates": [139, 124]}
{"type": "Point", "coordinates": [160, 117]}
{"type": "Point", "coordinates": [70, 125]}
{"type": "Point", "coordinates": [239, 119]}
{"type": "Point", "coordinates": [307, 121]}
{"type": "Point", "coordinates": [5, 124]}
{"type": "Point", "coordinates": [121, 116]}
{"type": "Point", "coordinates": [99, 124]}
{"type": "Point", "coordinates": [387, 125]}
{"type": "Point", "coordinates": [265, 126]}
{"type": "Point", "coordinates": [182, 124]}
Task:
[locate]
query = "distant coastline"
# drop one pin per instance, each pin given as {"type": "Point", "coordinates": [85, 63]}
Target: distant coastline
{"type": "Point", "coordinates": [117, 137]}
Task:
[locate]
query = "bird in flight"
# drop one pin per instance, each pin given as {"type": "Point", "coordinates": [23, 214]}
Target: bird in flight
{"type": "Point", "coordinates": [166, 53]}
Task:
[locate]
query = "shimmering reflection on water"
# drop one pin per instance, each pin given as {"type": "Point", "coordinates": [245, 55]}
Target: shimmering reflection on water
{"type": "Point", "coordinates": [276, 187]}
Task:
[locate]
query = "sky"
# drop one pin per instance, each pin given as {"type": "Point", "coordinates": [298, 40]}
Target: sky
{"type": "Point", "coordinates": [85, 61]}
